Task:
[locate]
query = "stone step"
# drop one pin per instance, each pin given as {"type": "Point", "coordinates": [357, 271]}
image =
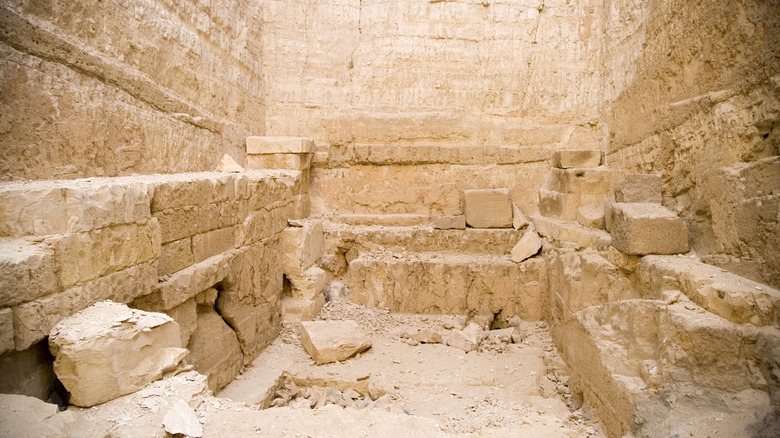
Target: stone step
{"type": "Point", "coordinates": [572, 233]}
{"type": "Point", "coordinates": [340, 237]}
{"type": "Point", "coordinates": [436, 283]}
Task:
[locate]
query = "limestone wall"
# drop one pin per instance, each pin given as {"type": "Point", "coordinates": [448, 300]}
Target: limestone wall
{"type": "Point", "coordinates": [118, 87]}
{"type": "Point", "coordinates": [431, 72]}
{"type": "Point", "coordinates": [202, 247]}
{"type": "Point", "coordinates": [693, 94]}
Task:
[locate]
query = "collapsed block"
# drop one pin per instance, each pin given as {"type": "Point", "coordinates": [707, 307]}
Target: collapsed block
{"type": "Point", "coordinates": [301, 309]}
{"type": "Point", "coordinates": [214, 349]}
{"type": "Point", "coordinates": [109, 350]}
{"type": "Point", "coordinates": [302, 246]}
{"type": "Point", "coordinates": [488, 208]}
{"type": "Point", "coordinates": [576, 158]}
{"type": "Point", "coordinates": [309, 284]}
{"type": "Point", "coordinates": [639, 188]}
{"type": "Point", "coordinates": [450, 223]}
{"type": "Point", "coordinates": [644, 228]}
{"type": "Point", "coordinates": [332, 341]}
{"type": "Point", "coordinates": [528, 245]}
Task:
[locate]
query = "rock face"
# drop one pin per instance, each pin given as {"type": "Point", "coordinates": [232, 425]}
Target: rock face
{"type": "Point", "coordinates": [109, 350]}
{"type": "Point", "coordinates": [639, 188]}
{"type": "Point", "coordinates": [331, 341]}
{"type": "Point", "coordinates": [490, 208]}
{"type": "Point", "coordinates": [639, 229]}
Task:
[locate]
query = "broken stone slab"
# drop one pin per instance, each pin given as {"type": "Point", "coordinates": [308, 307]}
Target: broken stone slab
{"type": "Point", "coordinates": [332, 341]}
{"type": "Point", "coordinates": [428, 336]}
{"type": "Point", "coordinates": [214, 349]}
{"type": "Point", "coordinates": [528, 245]}
{"type": "Point", "coordinates": [309, 284]}
{"type": "Point", "coordinates": [467, 339]}
{"type": "Point", "coordinates": [108, 350]}
{"type": "Point", "coordinates": [301, 309]}
{"type": "Point", "coordinates": [450, 223]}
{"type": "Point", "coordinates": [519, 220]}
{"type": "Point", "coordinates": [228, 164]}
{"type": "Point", "coordinates": [488, 208]}
{"type": "Point", "coordinates": [591, 215]}
{"type": "Point", "coordinates": [302, 246]}
{"type": "Point", "coordinates": [576, 158]}
{"type": "Point", "coordinates": [181, 419]}
{"type": "Point", "coordinates": [645, 228]}
{"type": "Point", "coordinates": [639, 188]}
{"type": "Point", "coordinates": [279, 145]}
{"type": "Point", "coordinates": [622, 260]}
{"type": "Point", "coordinates": [506, 335]}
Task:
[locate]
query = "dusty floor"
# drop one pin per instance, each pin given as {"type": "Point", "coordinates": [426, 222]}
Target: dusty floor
{"type": "Point", "coordinates": [512, 390]}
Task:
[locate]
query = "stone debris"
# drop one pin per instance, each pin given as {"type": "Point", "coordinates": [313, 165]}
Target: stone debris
{"type": "Point", "coordinates": [336, 291]}
{"type": "Point", "coordinates": [450, 223]}
{"type": "Point", "coordinates": [519, 220]}
{"type": "Point", "coordinates": [488, 208]}
{"type": "Point", "coordinates": [228, 164]}
{"type": "Point", "coordinates": [182, 420]}
{"type": "Point", "coordinates": [528, 246]}
{"type": "Point", "coordinates": [28, 417]}
{"type": "Point", "coordinates": [467, 339]}
{"type": "Point", "coordinates": [379, 386]}
{"type": "Point", "coordinates": [581, 158]}
{"type": "Point", "coordinates": [428, 336]}
{"type": "Point", "coordinates": [332, 341]}
{"type": "Point", "coordinates": [109, 350]}
{"type": "Point", "coordinates": [639, 188]}
{"type": "Point", "coordinates": [645, 228]}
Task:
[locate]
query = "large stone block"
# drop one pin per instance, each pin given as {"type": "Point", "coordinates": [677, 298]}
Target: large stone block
{"type": "Point", "coordinates": [213, 243]}
{"type": "Point", "coordinates": [177, 223]}
{"type": "Point", "coordinates": [488, 208]}
{"type": "Point", "coordinates": [279, 161]}
{"type": "Point", "coordinates": [34, 319]}
{"type": "Point", "coordinates": [572, 233]}
{"type": "Point", "coordinates": [279, 145]}
{"type": "Point", "coordinates": [583, 181]}
{"type": "Point", "coordinates": [309, 284]}
{"type": "Point", "coordinates": [564, 206]}
{"type": "Point", "coordinates": [332, 341]}
{"type": "Point", "coordinates": [183, 190]}
{"type": "Point", "coordinates": [591, 215]}
{"type": "Point", "coordinates": [302, 246]}
{"type": "Point", "coordinates": [450, 223]}
{"type": "Point", "coordinates": [109, 350]}
{"type": "Point", "coordinates": [27, 271]}
{"type": "Point", "coordinates": [175, 256]}
{"type": "Point", "coordinates": [644, 228]}
{"type": "Point", "coordinates": [639, 188]}
{"type": "Point", "coordinates": [567, 159]}
{"type": "Point", "coordinates": [214, 350]}
{"type": "Point", "coordinates": [6, 330]}
{"type": "Point", "coordinates": [301, 309]}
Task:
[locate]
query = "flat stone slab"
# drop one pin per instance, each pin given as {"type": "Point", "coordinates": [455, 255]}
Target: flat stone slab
{"type": "Point", "coordinates": [645, 228]}
{"type": "Point", "coordinates": [488, 208]}
{"type": "Point", "coordinates": [333, 341]}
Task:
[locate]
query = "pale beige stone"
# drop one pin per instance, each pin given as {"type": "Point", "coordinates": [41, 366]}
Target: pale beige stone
{"type": "Point", "coordinates": [309, 284]}
{"type": "Point", "coordinates": [29, 417]}
{"type": "Point", "coordinates": [450, 223]}
{"type": "Point", "coordinates": [185, 314]}
{"type": "Point", "coordinates": [302, 246]}
{"type": "Point", "coordinates": [228, 164]}
{"type": "Point", "coordinates": [332, 341]}
{"type": "Point", "coordinates": [256, 322]}
{"type": "Point", "coordinates": [529, 245]}
{"type": "Point", "coordinates": [177, 223]}
{"type": "Point", "coordinates": [214, 349]}
{"type": "Point", "coordinates": [6, 330]}
{"type": "Point", "coordinates": [563, 206]}
{"type": "Point", "coordinates": [27, 271]}
{"type": "Point", "coordinates": [213, 243]}
{"type": "Point", "coordinates": [582, 181]}
{"type": "Point", "coordinates": [639, 188]}
{"type": "Point", "coordinates": [379, 386]}
{"type": "Point", "coordinates": [301, 309]}
{"type": "Point", "coordinates": [183, 190]}
{"type": "Point", "coordinates": [279, 161]}
{"type": "Point", "coordinates": [621, 259]}
{"type": "Point", "coordinates": [428, 336]}
{"type": "Point", "coordinates": [581, 158]}
{"type": "Point", "coordinates": [519, 220]}
{"type": "Point", "coordinates": [488, 208]}
{"type": "Point", "coordinates": [571, 233]}
{"type": "Point", "coordinates": [279, 145]}
{"type": "Point", "coordinates": [181, 419]}
{"type": "Point", "coordinates": [109, 350]}
{"type": "Point", "coordinates": [639, 229]}
{"type": "Point", "coordinates": [175, 256]}
{"type": "Point", "coordinates": [591, 215]}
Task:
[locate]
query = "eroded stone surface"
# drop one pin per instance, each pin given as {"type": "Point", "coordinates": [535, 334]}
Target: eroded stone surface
{"type": "Point", "coordinates": [639, 229]}
{"type": "Point", "coordinates": [332, 341]}
{"type": "Point", "coordinates": [490, 208]}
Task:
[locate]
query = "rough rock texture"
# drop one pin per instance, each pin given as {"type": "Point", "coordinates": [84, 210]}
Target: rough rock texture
{"type": "Point", "coordinates": [28, 417]}
{"type": "Point", "coordinates": [639, 188]}
{"type": "Point", "coordinates": [301, 246]}
{"type": "Point", "coordinates": [489, 208]}
{"type": "Point", "coordinates": [643, 228]}
{"type": "Point", "coordinates": [109, 350]}
{"type": "Point", "coordinates": [591, 215]}
{"type": "Point", "coordinates": [529, 245]}
{"type": "Point", "coordinates": [214, 349]}
{"type": "Point", "coordinates": [332, 341]}
{"type": "Point", "coordinates": [568, 159]}
{"type": "Point", "coordinates": [450, 223]}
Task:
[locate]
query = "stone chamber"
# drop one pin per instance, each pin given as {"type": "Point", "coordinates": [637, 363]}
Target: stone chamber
{"type": "Point", "coordinates": [390, 218]}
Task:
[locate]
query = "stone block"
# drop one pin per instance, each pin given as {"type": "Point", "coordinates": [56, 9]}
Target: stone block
{"type": "Point", "coordinates": [591, 215]}
{"type": "Point", "coordinates": [279, 145]}
{"type": "Point", "coordinates": [185, 314]}
{"type": "Point", "coordinates": [109, 350]}
{"type": "Point", "coordinates": [519, 220]}
{"type": "Point", "coordinates": [301, 309]}
{"type": "Point", "coordinates": [567, 159]}
{"type": "Point", "coordinates": [488, 208]}
{"type": "Point", "coordinates": [450, 223]}
{"type": "Point", "coordinates": [302, 246]}
{"type": "Point", "coordinates": [333, 341]}
{"type": "Point", "coordinates": [213, 243]}
{"type": "Point", "coordinates": [639, 188]}
{"type": "Point", "coordinates": [583, 181]}
{"type": "Point", "coordinates": [309, 284]}
{"type": "Point", "coordinates": [529, 245]}
{"type": "Point", "coordinates": [88, 255]}
{"type": "Point", "coordinates": [177, 223]}
{"type": "Point", "coordinates": [563, 206]}
{"type": "Point", "coordinates": [23, 416]}
{"type": "Point", "coordinates": [175, 256]}
{"type": "Point", "coordinates": [279, 161]}
{"type": "Point", "coordinates": [572, 233]}
{"type": "Point", "coordinates": [183, 190]}
{"type": "Point", "coordinates": [644, 228]}
{"type": "Point", "coordinates": [621, 259]}
{"type": "Point", "coordinates": [27, 271]}
{"type": "Point", "coordinates": [34, 319]}
{"type": "Point", "coordinates": [214, 349]}
{"type": "Point", "coordinates": [255, 322]}
{"type": "Point", "coordinates": [6, 330]}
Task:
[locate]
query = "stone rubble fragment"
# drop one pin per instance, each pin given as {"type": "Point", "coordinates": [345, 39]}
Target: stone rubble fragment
{"type": "Point", "coordinates": [467, 339]}
{"type": "Point", "coordinates": [529, 245]}
{"type": "Point", "coordinates": [332, 341]}
{"type": "Point", "coordinates": [379, 386]}
{"type": "Point", "coordinates": [336, 291]}
{"type": "Point", "coordinates": [109, 350]}
{"type": "Point", "coordinates": [182, 420]}
{"type": "Point", "coordinates": [228, 164]}
{"type": "Point", "coordinates": [519, 220]}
